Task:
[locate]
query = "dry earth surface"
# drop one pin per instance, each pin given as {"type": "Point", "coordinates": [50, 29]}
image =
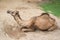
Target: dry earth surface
{"type": "Point", "coordinates": [27, 10]}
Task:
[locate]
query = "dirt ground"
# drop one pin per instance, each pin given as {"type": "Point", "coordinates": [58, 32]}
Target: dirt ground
{"type": "Point", "coordinates": [26, 10]}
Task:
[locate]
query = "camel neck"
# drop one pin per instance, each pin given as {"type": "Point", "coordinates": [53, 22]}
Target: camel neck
{"type": "Point", "coordinates": [18, 19]}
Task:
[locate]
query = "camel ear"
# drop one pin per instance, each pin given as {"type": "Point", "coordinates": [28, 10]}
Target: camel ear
{"type": "Point", "coordinates": [17, 12]}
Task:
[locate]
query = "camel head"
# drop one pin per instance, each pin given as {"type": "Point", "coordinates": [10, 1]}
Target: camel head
{"type": "Point", "coordinates": [13, 13]}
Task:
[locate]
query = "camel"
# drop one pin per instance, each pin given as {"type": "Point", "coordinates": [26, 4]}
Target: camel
{"type": "Point", "coordinates": [41, 22]}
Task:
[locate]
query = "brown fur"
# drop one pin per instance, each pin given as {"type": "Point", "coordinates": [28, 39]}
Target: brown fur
{"type": "Point", "coordinates": [42, 22]}
{"type": "Point", "coordinates": [45, 22]}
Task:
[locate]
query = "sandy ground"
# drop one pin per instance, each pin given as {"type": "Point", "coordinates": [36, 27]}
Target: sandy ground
{"type": "Point", "coordinates": [27, 10]}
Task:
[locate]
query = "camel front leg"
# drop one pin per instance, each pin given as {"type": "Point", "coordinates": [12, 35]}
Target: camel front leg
{"type": "Point", "coordinates": [27, 30]}
{"type": "Point", "coordinates": [29, 25]}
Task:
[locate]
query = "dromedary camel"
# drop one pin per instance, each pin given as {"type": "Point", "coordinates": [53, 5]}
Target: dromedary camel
{"type": "Point", "coordinates": [42, 22]}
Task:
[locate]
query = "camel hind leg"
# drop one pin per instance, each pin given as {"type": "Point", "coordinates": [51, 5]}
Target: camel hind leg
{"type": "Point", "coordinates": [52, 28]}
